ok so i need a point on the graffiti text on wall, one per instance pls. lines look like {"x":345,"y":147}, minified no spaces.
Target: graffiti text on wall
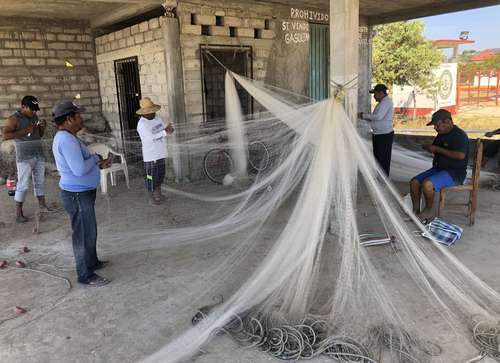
{"x":295,"y":31}
{"x":309,"y":15}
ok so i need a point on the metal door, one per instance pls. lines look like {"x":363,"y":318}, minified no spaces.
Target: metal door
{"x":319,"y":54}
{"x":237,"y":59}
{"x":128,"y":87}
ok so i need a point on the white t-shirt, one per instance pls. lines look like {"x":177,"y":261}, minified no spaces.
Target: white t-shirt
{"x":153,"y":138}
{"x":381,"y":118}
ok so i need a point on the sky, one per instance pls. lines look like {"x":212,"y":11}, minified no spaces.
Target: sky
{"x":483,"y":25}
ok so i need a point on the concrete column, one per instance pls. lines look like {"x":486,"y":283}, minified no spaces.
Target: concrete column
{"x":365,"y":74}
{"x":175,"y":90}
{"x":344,"y":58}
{"x":344,"y":51}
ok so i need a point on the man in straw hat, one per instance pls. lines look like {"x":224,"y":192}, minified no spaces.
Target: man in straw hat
{"x":153,"y":132}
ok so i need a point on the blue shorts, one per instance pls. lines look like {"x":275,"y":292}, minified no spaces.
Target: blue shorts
{"x":440,"y":178}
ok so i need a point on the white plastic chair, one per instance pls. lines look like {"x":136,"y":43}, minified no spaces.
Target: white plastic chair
{"x":104,"y":151}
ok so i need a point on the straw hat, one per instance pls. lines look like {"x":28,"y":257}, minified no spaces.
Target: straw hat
{"x":147,"y":106}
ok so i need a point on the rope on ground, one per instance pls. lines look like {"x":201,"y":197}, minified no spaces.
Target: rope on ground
{"x":486,"y":337}
{"x":54,"y":304}
{"x":310,"y":339}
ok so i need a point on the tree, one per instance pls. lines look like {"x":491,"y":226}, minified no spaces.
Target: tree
{"x":492,"y":62}
{"x":403,"y":56}
{"x":466,"y":66}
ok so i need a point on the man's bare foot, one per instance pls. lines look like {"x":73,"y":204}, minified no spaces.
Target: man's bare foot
{"x":426,"y":214}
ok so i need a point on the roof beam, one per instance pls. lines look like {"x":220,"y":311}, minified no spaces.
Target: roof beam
{"x":123,"y":12}
{"x":442,"y":7}
{"x":143,"y":2}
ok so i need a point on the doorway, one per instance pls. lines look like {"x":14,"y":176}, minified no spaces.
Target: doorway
{"x":128,"y":87}
{"x":239,"y":60}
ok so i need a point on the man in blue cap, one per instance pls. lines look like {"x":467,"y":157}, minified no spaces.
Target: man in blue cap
{"x":80,"y":175}
{"x":449,"y":166}
{"x":27,"y":131}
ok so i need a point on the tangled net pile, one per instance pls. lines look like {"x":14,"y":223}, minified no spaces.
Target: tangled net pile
{"x":304,"y":286}
{"x":305,"y":340}
{"x":310,"y":338}
{"x":316,"y":290}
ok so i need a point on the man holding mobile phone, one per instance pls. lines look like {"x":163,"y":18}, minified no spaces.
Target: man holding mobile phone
{"x":80,"y":175}
{"x":27,"y":130}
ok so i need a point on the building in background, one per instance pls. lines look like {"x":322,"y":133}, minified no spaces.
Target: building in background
{"x":106,"y":55}
{"x":414,"y":102}
{"x":480,"y":81}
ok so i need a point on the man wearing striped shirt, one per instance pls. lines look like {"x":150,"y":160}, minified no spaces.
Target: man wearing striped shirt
{"x":381,"y":125}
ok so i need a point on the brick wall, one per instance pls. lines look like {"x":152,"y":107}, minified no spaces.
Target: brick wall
{"x":225,"y":25}
{"x":33,"y":61}
{"x":144,"y":41}
{"x":33,"y":55}
{"x":238,"y":23}
{"x":276,"y":60}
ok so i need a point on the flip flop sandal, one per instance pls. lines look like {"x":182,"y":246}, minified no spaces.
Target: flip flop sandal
{"x":100,"y":264}
{"x":97,"y":281}
{"x":155,"y":202}
{"x":425,"y":221}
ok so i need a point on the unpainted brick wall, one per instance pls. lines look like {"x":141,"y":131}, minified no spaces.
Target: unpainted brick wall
{"x":144,"y":41}
{"x":33,"y":57}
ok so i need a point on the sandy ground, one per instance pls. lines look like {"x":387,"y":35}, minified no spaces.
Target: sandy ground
{"x":153,"y":293}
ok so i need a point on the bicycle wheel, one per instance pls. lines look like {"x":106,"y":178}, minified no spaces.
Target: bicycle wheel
{"x":217,"y":163}
{"x":258,"y":156}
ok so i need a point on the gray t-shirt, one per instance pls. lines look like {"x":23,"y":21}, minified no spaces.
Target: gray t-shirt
{"x":28,"y":147}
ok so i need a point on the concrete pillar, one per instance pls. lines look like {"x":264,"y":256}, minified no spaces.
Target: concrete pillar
{"x":364,"y":73}
{"x":344,"y":58}
{"x":175,"y":89}
{"x":344,"y":51}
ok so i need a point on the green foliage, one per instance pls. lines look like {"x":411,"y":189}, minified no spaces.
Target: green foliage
{"x":466,"y":55}
{"x":492,"y":63}
{"x":403,"y":56}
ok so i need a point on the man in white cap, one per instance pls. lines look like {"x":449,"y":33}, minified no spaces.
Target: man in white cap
{"x":153,"y":132}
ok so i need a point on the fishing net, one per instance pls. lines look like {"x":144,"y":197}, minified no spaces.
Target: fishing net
{"x":295,"y":277}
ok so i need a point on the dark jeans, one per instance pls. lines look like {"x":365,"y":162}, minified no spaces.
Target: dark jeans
{"x":81,"y":211}
{"x":491,"y":148}
{"x":382,"y":150}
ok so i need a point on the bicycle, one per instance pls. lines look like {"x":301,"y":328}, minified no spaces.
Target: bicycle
{"x":217,"y":162}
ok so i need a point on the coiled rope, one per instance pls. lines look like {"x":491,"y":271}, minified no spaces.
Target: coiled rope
{"x":310,"y":338}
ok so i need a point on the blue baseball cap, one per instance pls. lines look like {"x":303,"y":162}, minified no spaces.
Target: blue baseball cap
{"x":65,"y":107}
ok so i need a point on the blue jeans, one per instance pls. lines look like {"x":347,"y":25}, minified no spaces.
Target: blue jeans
{"x":34,"y":167}
{"x":81,"y":211}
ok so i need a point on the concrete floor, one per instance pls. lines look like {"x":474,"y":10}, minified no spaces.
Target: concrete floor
{"x":153,"y":294}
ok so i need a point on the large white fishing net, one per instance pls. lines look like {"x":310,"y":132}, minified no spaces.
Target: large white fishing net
{"x":305,"y":285}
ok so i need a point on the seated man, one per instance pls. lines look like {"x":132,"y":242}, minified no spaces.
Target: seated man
{"x":449,"y":167}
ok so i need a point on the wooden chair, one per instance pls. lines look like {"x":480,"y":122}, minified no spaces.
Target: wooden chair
{"x":472,"y":187}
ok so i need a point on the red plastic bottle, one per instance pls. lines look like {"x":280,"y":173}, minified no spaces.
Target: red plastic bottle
{"x":11,"y":186}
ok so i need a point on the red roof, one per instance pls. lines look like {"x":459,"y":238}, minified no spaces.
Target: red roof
{"x":453,"y":41}
{"x":485,"y":54}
